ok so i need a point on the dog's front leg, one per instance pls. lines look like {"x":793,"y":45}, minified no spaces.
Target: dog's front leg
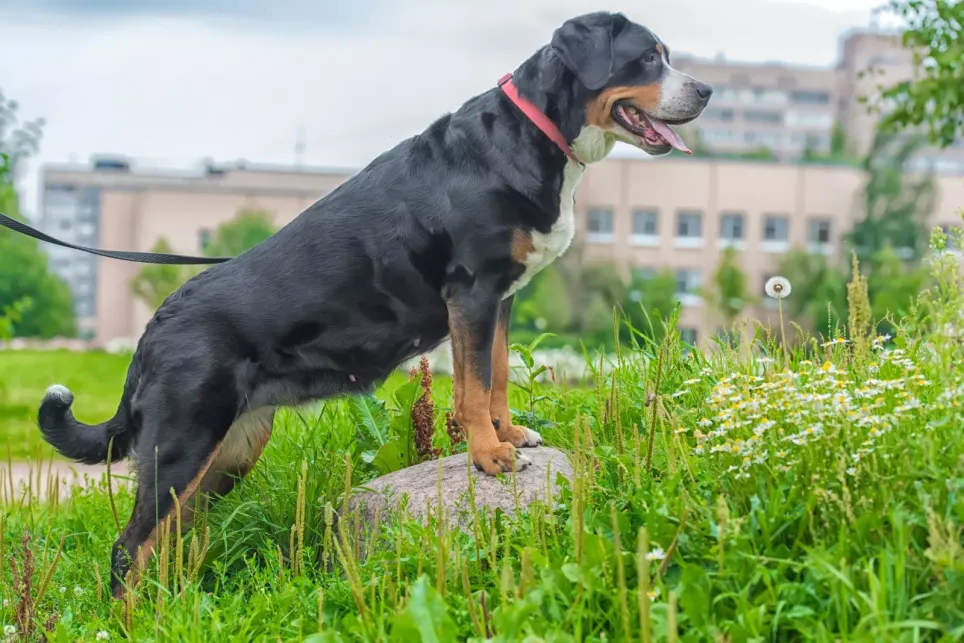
{"x":473,"y":307}
{"x":518,"y":436}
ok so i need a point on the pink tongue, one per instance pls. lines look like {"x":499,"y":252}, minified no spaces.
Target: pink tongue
{"x":671,"y":137}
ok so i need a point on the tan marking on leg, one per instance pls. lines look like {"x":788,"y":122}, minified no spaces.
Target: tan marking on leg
{"x":147,"y":547}
{"x":472,"y":401}
{"x":499,"y":411}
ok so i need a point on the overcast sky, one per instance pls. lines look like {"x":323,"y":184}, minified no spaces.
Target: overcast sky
{"x":171,"y":81}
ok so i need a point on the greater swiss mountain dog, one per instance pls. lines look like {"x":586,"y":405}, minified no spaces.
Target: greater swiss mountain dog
{"x":428,"y":241}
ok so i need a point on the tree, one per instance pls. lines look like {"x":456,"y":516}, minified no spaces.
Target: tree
{"x":18,"y":142}
{"x":245,"y":231}
{"x":43,"y":302}
{"x":895,"y":202}
{"x":728,"y":293}
{"x":819,"y":296}
{"x":551,"y":298}
{"x":892,"y":287}
{"x":650,"y":301}
{"x":934,"y":99}
{"x":155,"y":282}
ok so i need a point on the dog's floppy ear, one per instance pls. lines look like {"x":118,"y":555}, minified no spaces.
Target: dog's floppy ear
{"x":585,"y":45}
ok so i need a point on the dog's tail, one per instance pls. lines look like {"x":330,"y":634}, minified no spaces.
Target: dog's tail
{"x":86,"y":443}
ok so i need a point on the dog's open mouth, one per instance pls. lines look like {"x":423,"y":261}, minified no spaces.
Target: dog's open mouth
{"x":652,"y":130}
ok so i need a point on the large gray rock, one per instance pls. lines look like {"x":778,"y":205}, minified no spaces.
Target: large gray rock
{"x":420,"y":484}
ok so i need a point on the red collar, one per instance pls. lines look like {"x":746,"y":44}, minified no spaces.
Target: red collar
{"x":538,"y":119}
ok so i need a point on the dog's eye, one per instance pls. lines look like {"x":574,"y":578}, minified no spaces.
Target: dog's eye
{"x":650,"y":57}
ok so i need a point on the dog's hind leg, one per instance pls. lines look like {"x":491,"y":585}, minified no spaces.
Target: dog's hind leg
{"x":175,"y":451}
{"x":238,"y":452}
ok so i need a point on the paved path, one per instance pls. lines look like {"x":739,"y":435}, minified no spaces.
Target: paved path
{"x":25,"y":475}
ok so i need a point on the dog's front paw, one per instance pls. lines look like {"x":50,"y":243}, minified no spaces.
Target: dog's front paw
{"x":519,"y":436}
{"x":502,"y":458}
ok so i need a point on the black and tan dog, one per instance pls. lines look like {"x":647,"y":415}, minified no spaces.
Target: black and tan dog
{"x":429,"y":241}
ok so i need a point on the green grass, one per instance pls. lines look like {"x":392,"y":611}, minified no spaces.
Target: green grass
{"x":814,"y":494}
{"x":96,"y":379}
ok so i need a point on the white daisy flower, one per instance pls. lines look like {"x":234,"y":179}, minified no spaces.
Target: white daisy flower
{"x":656,"y":554}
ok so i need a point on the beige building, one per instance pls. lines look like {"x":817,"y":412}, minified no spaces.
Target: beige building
{"x":645,"y":214}
{"x":790,"y":108}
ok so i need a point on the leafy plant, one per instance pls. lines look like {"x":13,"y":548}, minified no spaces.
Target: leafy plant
{"x":932,"y":100}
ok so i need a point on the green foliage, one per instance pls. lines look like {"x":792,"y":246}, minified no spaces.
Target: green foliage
{"x":24,"y":272}
{"x":98,"y":377}
{"x":934,"y":99}
{"x":649,"y":304}
{"x":386,"y":433}
{"x":18,"y":141}
{"x":895,"y":203}
{"x":893,"y":287}
{"x":551,"y":298}
{"x":154,"y":283}
{"x":243,"y":232}
{"x":819,"y":296}
{"x":711,"y":499}
{"x":729,"y":293}
{"x":24,"y":275}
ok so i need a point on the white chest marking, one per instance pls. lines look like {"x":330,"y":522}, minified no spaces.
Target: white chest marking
{"x":591,"y":145}
{"x":548,"y":247}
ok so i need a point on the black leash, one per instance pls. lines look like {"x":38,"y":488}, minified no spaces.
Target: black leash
{"x":138,"y":257}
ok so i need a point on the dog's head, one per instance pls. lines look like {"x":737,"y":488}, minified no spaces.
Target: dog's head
{"x":633,"y":93}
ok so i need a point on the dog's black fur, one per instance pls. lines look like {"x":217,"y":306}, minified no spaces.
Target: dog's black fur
{"x":423,"y":243}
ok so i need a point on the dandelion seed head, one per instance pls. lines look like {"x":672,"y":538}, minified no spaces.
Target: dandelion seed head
{"x":777,"y":287}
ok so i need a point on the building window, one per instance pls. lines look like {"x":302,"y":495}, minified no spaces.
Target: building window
{"x":689,"y":224}
{"x":688,"y":335}
{"x":203,"y":238}
{"x":724,"y":95}
{"x":810,"y":120}
{"x":766,"y":138}
{"x":760,"y":116}
{"x":776,"y":227}
{"x":645,"y":273}
{"x":818,"y":141}
{"x":720,"y":136}
{"x":819,"y":231}
{"x":599,"y":225}
{"x":645,"y":222}
{"x":731,"y":226}
{"x":718,"y":114}
{"x":689,"y":229}
{"x":808,"y":97}
{"x":688,"y":286}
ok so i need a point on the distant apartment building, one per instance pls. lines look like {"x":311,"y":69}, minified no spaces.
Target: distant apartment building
{"x":645,"y":215}
{"x":790,"y":109}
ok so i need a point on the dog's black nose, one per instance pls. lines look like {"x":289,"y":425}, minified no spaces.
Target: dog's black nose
{"x":704,"y":90}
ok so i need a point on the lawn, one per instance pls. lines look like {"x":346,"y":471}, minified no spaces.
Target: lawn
{"x":815,"y":492}
{"x":96,"y":379}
